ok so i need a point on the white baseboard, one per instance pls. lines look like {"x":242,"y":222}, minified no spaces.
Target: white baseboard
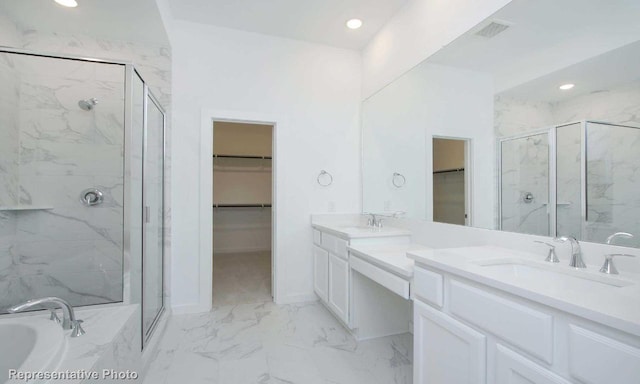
{"x":241,"y":250}
{"x":189,"y":309}
{"x":298,"y":298}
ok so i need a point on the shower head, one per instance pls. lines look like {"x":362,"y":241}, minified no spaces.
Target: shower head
{"x":88,"y":105}
{"x":536,"y":140}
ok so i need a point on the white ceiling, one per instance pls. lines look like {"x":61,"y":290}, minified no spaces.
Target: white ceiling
{"x":599,"y":74}
{"x":318,"y":21}
{"x":549,"y":40}
{"x":123,"y":20}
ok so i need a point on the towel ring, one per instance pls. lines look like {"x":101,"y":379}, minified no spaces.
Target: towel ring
{"x":323,"y":175}
{"x":398,"y":180}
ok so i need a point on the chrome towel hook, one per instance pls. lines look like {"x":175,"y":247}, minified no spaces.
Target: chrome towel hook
{"x":398,"y":180}
{"x":324,"y":178}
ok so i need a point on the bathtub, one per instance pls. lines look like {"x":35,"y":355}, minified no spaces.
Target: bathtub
{"x":30,"y":344}
{"x":33,"y":343}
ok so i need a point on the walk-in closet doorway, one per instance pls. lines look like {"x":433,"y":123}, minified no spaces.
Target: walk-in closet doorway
{"x":242,"y":213}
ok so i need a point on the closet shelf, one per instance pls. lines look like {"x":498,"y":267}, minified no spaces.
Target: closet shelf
{"x":241,"y":157}
{"x":241,"y":205}
{"x":449,"y":171}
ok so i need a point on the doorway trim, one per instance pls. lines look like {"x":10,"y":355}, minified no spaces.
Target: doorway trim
{"x":208,"y":117}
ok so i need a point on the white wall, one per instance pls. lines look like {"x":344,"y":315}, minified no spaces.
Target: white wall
{"x":315,"y":92}
{"x":417,"y":31}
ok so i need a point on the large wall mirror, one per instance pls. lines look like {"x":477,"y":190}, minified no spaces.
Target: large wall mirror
{"x":529,"y":122}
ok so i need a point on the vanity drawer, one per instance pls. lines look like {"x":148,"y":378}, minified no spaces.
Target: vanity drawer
{"x":317,"y":237}
{"x":427,"y":286}
{"x":395,"y":284}
{"x":595,"y":359}
{"x":526,"y":328}
{"x":335,"y":245}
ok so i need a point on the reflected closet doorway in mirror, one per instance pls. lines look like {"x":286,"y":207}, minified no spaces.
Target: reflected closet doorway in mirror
{"x":451,"y":175}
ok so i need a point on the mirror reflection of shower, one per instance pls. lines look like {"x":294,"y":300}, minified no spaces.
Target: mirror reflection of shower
{"x":577,"y":179}
{"x":89,"y":104}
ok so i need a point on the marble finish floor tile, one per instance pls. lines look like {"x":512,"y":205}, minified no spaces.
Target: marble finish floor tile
{"x":241,"y":278}
{"x":268,"y":343}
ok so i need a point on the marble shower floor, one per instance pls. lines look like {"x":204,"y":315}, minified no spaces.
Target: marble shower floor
{"x":266,"y":343}
{"x":241,"y":278}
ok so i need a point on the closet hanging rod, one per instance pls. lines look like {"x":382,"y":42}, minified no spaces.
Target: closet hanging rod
{"x":241,"y":205}
{"x":449,"y":171}
{"x":241,"y":157}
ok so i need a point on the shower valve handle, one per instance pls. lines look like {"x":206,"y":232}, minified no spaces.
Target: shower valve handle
{"x":91,"y":197}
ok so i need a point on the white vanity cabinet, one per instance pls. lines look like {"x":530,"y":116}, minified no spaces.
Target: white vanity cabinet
{"x":331,"y":273}
{"x":446,"y":350}
{"x":467,"y":332}
{"x":339,"y":287}
{"x":321,"y":272}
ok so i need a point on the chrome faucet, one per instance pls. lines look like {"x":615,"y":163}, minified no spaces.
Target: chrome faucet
{"x":374,"y":221}
{"x":576,"y":253}
{"x":551,"y":255}
{"x":618,"y":234}
{"x":69,"y":320}
{"x":608,"y":267}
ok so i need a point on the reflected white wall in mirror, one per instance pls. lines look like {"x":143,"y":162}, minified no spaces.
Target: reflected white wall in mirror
{"x":545,"y":161}
{"x":399,"y":123}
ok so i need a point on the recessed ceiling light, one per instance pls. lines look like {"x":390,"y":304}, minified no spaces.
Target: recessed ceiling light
{"x":67,"y":3}
{"x":566,"y":87}
{"x":354,"y":23}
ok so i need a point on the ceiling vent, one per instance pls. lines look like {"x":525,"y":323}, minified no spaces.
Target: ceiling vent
{"x":493,"y":29}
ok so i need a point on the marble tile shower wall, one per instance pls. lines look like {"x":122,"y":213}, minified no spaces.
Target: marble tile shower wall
{"x":153,"y":62}
{"x":525,"y":170}
{"x":69,"y":250}
{"x":609,"y":208}
{"x":9,"y":133}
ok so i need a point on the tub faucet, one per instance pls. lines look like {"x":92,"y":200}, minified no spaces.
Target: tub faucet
{"x":576,"y":253}
{"x":69,"y":320}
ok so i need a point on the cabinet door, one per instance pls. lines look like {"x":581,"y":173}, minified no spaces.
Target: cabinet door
{"x":321,"y":272}
{"x":511,"y":368}
{"x":445,"y":350}
{"x":596,"y":358}
{"x":339,"y":287}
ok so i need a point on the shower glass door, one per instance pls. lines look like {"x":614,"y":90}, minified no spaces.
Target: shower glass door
{"x":153,"y":179}
{"x":569,"y":181}
{"x":612,"y":182}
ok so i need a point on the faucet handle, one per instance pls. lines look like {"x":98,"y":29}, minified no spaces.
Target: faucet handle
{"x":608,"y":267}
{"x":76,"y":328}
{"x":54,"y":316}
{"x":551,"y":256}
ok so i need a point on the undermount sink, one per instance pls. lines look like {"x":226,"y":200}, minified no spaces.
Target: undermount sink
{"x":360,"y":228}
{"x":551,"y":273}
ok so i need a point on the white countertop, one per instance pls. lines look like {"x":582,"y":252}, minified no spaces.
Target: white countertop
{"x":351,"y":231}
{"x":390,"y":257}
{"x":617,"y":307}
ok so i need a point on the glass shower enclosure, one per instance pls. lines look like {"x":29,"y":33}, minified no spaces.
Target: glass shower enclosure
{"x":81,"y":183}
{"x":580,"y":179}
